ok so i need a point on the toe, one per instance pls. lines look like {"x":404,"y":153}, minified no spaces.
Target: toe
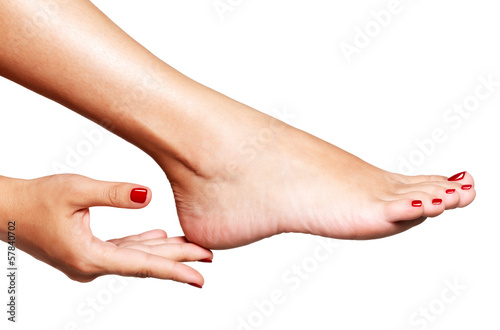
{"x":467,"y":194}
{"x":454,"y":194}
{"x":413,"y":205}
{"x":466,"y":189}
{"x":449,"y":192}
{"x":451,"y":198}
{"x":402,"y":226}
{"x":462,"y":177}
{"x":403,"y":210}
{"x":423,"y":179}
{"x":455,"y":191}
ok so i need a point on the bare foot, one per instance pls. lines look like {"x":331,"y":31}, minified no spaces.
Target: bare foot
{"x":238,"y":176}
{"x":254,"y":177}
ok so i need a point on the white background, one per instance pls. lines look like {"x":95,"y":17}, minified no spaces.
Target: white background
{"x":277,"y":54}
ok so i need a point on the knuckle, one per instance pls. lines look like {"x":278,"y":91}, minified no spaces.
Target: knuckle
{"x":69,"y":187}
{"x":145,"y":271}
{"x":171,"y":273}
{"x":114,"y":195}
{"x":71,"y":181}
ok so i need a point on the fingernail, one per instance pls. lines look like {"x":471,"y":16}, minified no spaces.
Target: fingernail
{"x":467,"y":187}
{"x":195,"y":285}
{"x":139,"y":195}
{"x":450,"y":191}
{"x":437,"y":201}
{"x":206,"y":260}
{"x":416,"y":203}
{"x":457,"y":177}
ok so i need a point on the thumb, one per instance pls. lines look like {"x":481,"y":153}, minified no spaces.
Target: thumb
{"x":115,"y":194}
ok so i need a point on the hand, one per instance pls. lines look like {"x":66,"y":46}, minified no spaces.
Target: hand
{"x":53,"y":224}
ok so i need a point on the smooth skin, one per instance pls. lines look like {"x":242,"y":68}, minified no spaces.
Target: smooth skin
{"x":52,"y":223}
{"x":228,"y":191}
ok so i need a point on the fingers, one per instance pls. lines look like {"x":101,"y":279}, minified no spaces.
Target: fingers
{"x":149,"y":235}
{"x":167,"y":240}
{"x":101,"y":193}
{"x":150,"y":254}
{"x":153,"y":254}
{"x":174,"y":248}
{"x":136,"y":263}
{"x":175,"y":251}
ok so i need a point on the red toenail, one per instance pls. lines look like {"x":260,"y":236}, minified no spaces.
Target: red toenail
{"x":416,"y":203}
{"x":450,"y":191}
{"x":467,"y":187}
{"x":206,"y":260}
{"x":457,"y":177}
{"x":437,"y":201}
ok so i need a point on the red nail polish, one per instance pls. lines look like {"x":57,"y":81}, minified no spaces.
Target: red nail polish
{"x":467,"y":187}
{"x":206,"y":260}
{"x":437,"y":201}
{"x":450,"y":191}
{"x":416,"y":203}
{"x":457,"y":177}
{"x":195,"y":285}
{"x":139,"y":195}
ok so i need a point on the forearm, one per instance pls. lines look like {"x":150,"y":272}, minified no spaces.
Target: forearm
{"x":72,"y":53}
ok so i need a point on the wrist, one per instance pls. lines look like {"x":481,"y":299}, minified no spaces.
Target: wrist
{"x":11,"y":200}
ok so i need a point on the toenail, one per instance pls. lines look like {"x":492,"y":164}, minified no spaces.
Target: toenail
{"x":450,"y":191}
{"x":437,"y":201}
{"x":467,"y":187}
{"x":457,"y":177}
{"x":416,"y":203}
{"x":206,"y":260}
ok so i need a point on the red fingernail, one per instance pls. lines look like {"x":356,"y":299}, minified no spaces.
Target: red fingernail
{"x":467,"y":187}
{"x":450,"y":191}
{"x":416,"y":203}
{"x":139,"y":195}
{"x":206,"y":260}
{"x":195,"y":285}
{"x":457,"y":177}
{"x":437,"y":201}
